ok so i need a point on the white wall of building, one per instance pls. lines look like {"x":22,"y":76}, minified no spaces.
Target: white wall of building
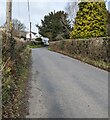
{"x":33,"y":37}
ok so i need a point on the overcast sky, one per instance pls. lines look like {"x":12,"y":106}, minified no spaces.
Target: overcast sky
{"x":38,"y":10}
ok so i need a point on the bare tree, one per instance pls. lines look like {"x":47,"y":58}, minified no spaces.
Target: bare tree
{"x":17,"y":25}
{"x":71,"y":9}
{"x":18,"y":28}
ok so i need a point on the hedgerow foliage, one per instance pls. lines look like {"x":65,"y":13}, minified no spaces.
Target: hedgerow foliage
{"x":91,"y":20}
{"x":94,"y":51}
{"x":108,"y":24}
{"x":14,"y":75}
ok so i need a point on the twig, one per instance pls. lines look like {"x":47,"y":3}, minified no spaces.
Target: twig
{"x":5,"y":64}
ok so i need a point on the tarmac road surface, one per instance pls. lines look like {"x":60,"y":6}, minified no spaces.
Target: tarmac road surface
{"x":63,"y":87}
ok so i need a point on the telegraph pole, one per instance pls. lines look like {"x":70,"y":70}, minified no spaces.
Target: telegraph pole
{"x":29,"y":18}
{"x":8,"y":15}
{"x":30,"y":31}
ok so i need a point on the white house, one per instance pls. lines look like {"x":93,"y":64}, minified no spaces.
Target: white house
{"x":33,"y":36}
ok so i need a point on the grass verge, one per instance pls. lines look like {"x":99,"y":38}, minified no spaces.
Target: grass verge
{"x":15,"y":76}
{"x":35,"y":46}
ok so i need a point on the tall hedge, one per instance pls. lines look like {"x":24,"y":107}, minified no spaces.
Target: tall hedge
{"x":108,"y":24}
{"x":91,"y":20}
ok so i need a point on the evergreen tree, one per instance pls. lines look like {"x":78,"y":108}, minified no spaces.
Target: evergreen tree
{"x":108,"y":24}
{"x":91,"y":20}
{"x":54,"y":24}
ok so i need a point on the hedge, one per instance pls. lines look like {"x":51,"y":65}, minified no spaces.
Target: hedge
{"x":94,"y":51}
{"x":15,"y":65}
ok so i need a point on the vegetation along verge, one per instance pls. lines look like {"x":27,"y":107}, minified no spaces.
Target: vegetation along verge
{"x":15,"y":71}
{"x":94,"y":51}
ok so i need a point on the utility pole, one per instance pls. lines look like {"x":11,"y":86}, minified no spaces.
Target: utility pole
{"x":8,"y":15}
{"x":30,"y":31}
{"x":29,"y":18}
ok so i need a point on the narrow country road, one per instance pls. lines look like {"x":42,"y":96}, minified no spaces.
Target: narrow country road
{"x":62,"y":87}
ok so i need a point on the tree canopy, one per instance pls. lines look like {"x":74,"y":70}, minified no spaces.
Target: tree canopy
{"x":55,"y":24}
{"x":91,"y":20}
{"x":108,"y":24}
